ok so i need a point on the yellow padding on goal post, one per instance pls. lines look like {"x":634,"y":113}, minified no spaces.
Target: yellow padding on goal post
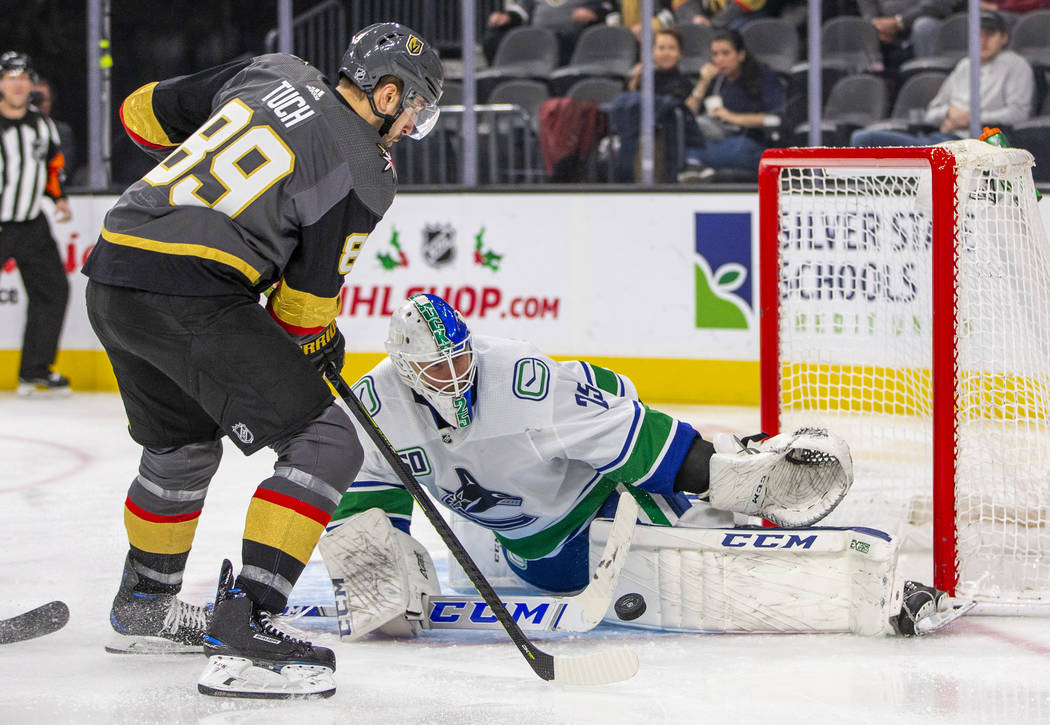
{"x":980,"y":395}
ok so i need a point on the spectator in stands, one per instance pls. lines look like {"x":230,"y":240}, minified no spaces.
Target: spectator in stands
{"x":671,"y":88}
{"x":1011,"y":10}
{"x":742,"y":99}
{"x":1007,"y":87}
{"x":567,"y":18}
{"x":43,"y":97}
{"x":905,"y":27}
{"x":630,"y":15}
{"x":720,"y":13}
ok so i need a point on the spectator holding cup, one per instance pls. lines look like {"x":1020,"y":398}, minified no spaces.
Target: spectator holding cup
{"x":736,"y":100}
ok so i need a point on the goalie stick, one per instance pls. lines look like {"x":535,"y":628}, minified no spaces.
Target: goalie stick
{"x":578,"y":613}
{"x":45,"y":619}
{"x":597,"y":668}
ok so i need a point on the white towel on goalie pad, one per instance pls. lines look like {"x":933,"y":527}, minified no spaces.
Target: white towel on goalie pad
{"x":760,"y":579}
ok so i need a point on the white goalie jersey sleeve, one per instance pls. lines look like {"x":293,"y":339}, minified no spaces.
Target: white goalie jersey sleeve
{"x":548,"y":444}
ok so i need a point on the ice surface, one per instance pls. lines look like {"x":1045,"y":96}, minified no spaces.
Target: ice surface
{"x":65,"y":466}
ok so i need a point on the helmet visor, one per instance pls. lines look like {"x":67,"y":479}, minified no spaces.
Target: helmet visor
{"x":421,"y":112}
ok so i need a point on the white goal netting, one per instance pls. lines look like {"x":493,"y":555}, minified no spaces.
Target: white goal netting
{"x":855,"y":345}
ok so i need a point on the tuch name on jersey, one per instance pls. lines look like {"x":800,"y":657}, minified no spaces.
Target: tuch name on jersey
{"x":288,"y":104}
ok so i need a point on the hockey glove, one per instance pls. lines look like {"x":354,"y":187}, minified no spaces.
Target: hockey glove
{"x":325,"y":348}
{"x":793,"y":479}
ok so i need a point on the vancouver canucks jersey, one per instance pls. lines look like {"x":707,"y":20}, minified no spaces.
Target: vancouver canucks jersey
{"x":267,"y":175}
{"x":548,"y":445}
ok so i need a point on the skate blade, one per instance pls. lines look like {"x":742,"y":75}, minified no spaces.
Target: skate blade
{"x":27,"y":391}
{"x":227,"y":676}
{"x":121,"y":644}
{"x":938,"y":620}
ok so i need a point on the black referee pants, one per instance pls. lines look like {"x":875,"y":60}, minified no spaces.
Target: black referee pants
{"x":35,"y":252}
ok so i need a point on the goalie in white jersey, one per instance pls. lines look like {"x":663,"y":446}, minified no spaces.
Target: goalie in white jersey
{"x":535,"y":450}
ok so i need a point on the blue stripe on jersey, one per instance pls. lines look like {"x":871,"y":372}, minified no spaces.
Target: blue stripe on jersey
{"x":587,"y":372}
{"x":375,"y":484}
{"x":628,"y":442}
{"x":679,"y":503}
{"x":662,"y":479}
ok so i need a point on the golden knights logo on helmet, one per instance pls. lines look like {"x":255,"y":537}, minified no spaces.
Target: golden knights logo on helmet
{"x":414,"y":45}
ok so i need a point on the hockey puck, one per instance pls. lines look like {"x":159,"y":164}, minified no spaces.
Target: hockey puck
{"x":629,"y":606}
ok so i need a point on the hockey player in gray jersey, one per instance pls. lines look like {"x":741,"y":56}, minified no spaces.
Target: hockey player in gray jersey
{"x":269,"y":180}
{"x":534,"y":451}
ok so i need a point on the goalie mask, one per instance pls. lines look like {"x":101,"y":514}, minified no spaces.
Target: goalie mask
{"x":430,"y":347}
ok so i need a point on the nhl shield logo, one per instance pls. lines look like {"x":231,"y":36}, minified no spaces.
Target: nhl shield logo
{"x":439,"y":244}
{"x":243,"y":433}
{"x":414,"y":45}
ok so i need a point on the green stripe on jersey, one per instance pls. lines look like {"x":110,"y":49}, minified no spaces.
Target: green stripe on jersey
{"x":649,"y":506}
{"x":542,"y":543}
{"x":605,"y":379}
{"x":650,"y":441}
{"x":391,"y":500}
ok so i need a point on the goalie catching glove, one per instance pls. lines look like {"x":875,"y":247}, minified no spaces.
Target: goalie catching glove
{"x":325,"y":347}
{"x":379,"y":575}
{"x":793,"y":479}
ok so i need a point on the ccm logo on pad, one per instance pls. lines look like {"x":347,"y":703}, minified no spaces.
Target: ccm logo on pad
{"x":769,"y":541}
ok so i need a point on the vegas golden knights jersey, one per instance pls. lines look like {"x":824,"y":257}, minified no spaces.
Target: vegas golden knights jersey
{"x":267,"y":176}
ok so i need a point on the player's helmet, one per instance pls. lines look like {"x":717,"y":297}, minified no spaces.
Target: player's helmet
{"x":430,"y":347}
{"x":14,"y":62}
{"x":394,"y":49}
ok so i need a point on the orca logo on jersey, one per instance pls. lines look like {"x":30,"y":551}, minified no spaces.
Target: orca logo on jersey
{"x":472,"y":499}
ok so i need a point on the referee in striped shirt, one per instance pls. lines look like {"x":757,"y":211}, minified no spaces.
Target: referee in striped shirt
{"x":31,"y":164}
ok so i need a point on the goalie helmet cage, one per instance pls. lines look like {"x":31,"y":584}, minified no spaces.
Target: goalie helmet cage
{"x":905,"y":305}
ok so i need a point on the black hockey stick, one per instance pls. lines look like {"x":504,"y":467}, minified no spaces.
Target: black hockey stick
{"x":45,"y":619}
{"x":593,"y":669}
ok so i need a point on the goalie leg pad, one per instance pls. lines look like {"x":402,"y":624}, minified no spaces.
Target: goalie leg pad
{"x":379,"y":575}
{"x":793,"y":479}
{"x":760,"y":579}
{"x":487,"y":552}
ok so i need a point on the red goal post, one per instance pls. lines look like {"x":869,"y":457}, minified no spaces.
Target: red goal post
{"x":905,"y":304}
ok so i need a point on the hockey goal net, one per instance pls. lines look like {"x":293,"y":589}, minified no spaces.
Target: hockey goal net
{"x":905,"y":298}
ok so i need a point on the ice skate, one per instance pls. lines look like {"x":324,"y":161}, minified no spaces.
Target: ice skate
{"x":51,"y":385}
{"x":252,"y":655}
{"x":926,"y":610}
{"x":148,"y":623}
